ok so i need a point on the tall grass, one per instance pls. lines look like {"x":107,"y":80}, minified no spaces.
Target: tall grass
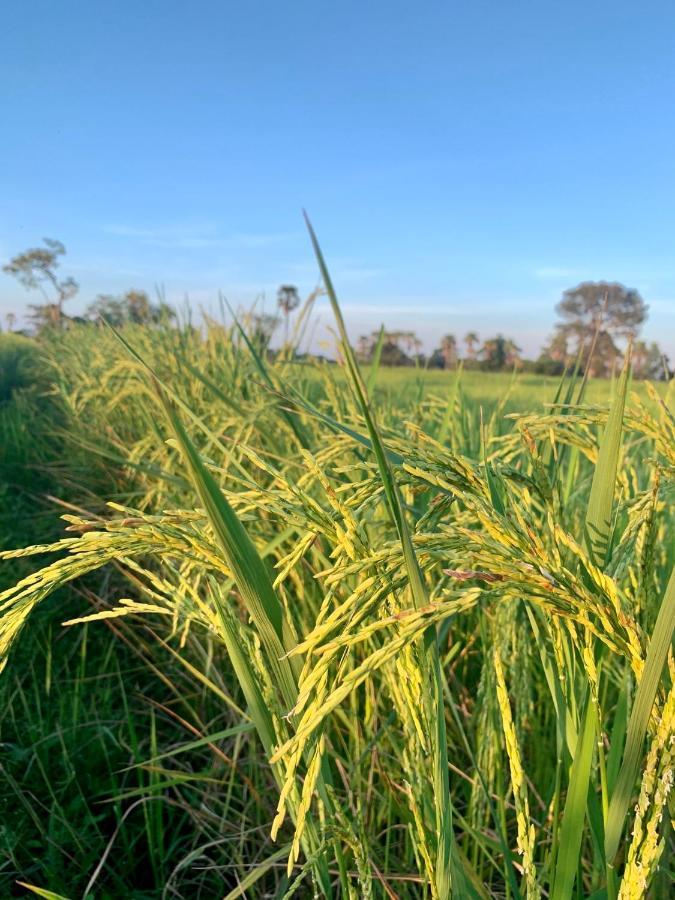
{"x":428,"y":657}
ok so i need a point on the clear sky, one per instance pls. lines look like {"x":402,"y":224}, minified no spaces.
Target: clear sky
{"x":463,"y":162}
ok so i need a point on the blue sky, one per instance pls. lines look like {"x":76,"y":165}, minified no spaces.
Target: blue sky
{"x":463,"y":163}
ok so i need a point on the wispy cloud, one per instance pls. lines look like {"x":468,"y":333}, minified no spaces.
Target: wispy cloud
{"x":195,"y":237}
{"x":343,"y":271}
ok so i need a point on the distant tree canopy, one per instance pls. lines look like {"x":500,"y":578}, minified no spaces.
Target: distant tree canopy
{"x":649,"y":362}
{"x":471,"y":340}
{"x":261,"y":328}
{"x":594,"y":315}
{"x":36,"y":269}
{"x":500,"y":353}
{"x":399,"y":348}
{"x":593,"y":319}
{"x":288,"y":300}
{"x":133,"y":307}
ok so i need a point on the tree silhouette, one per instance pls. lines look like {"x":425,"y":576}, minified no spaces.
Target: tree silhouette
{"x":364,"y":348}
{"x":288,"y":299}
{"x":648,"y":361}
{"x":513,"y":352}
{"x":606,"y":309}
{"x":471,"y":340}
{"x":499,"y":352}
{"x":449,"y":350}
{"x":262,"y":327}
{"x":133,"y":307}
{"x":36,"y":269}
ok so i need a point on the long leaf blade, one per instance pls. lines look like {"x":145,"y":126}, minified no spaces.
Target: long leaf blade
{"x":639,"y":719}
{"x":600,"y":502}
{"x":571,"y":830}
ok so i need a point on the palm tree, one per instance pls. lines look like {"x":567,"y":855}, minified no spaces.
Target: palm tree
{"x":513,"y":352}
{"x":364,"y":347}
{"x":288,"y":299}
{"x":449,"y":350}
{"x":471,"y":340}
{"x":493,"y":352}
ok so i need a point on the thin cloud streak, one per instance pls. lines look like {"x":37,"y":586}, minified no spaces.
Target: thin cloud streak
{"x":196,"y":237}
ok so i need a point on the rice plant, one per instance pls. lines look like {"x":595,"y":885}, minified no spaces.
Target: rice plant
{"x":416,"y":647}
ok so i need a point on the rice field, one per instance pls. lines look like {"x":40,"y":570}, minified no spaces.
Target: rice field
{"x":331,"y":632}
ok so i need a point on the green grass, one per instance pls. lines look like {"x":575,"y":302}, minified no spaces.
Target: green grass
{"x":383,"y":634}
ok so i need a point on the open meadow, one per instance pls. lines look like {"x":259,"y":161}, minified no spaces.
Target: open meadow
{"x":390,"y":634}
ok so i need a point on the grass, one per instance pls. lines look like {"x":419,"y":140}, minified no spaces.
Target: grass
{"x":382,"y":634}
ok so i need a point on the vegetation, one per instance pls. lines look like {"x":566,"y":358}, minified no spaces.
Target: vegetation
{"x":36,"y":269}
{"x":133,"y":307}
{"x":595,"y":317}
{"x":597,"y":313}
{"x":332,"y":631}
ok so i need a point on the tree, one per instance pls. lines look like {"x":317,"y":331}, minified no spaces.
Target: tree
{"x":608,"y":309}
{"x":553,"y":357}
{"x":556,"y":349}
{"x":513,"y":352}
{"x":36,"y":269}
{"x":133,"y":307}
{"x":262,"y":328}
{"x":649,"y":362}
{"x":495,"y":353}
{"x":288,"y":300}
{"x":110,"y":308}
{"x":393,"y":355}
{"x":449,"y":350}
{"x":604,"y":358}
{"x":364,"y":348}
{"x":471,"y":340}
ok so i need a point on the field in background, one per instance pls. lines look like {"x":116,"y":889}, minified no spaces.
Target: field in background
{"x":524,"y":392}
{"x":136,"y":749}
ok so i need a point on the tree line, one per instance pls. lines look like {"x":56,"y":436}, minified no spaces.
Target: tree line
{"x":36,"y":269}
{"x":595,"y":321}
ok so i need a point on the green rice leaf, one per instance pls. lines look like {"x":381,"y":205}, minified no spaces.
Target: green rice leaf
{"x":447,"y":870}
{"x":599,"y":512}
{"x":257,"y":873}
{"x":639,"y":719}
{"x":248,"y":569}
{"x":571,"y":830}
{"x":375,"y":364}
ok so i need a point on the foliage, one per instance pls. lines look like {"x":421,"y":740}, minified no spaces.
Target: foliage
{"x":36,"y":269}
{"x":499,"y":353}
{"x":594,"y":315}
{"x":285,"y":545}
{"x":471,"y":339}
{"x":134,"y":307}
{"x":649,"y":362}
{"x":17,"y":364}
